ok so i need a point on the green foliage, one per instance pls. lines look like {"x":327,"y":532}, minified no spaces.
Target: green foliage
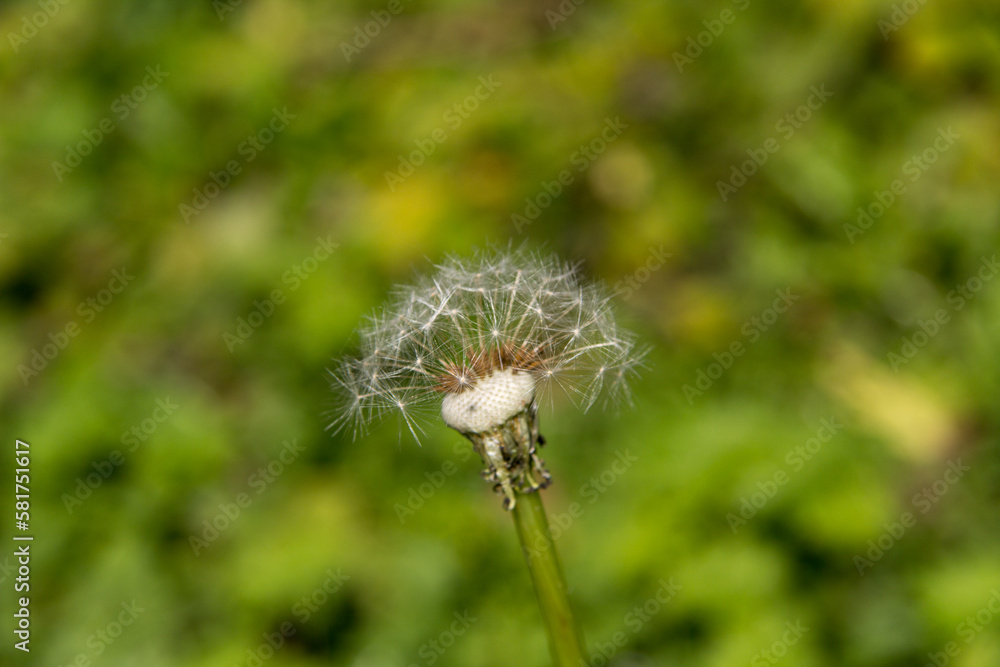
{"x":797,"y":205}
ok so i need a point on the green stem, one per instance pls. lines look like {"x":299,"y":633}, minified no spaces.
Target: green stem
{"x":565,"y":641}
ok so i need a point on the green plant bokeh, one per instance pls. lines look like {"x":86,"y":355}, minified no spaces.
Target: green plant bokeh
{"x":796,"y":204}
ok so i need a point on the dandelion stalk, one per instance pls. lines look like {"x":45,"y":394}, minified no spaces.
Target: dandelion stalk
{"x":481,"y":343}
{"x":565,"y":640}
{"x":511,"y":452}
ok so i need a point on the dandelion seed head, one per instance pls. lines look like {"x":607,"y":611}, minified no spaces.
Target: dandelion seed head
{"x":491,"y":401}
{"x":480,"y":339}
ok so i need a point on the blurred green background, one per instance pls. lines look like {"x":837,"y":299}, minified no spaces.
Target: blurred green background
{"x":260,"y":173}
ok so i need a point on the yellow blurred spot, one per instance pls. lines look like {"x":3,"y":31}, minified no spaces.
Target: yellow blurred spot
{"x":485,"y":180}
{"x":702,"y":316}
{"x":915,"y":422}
{"x":400,"y":222}
{"x":277,"y":28}
{"x":623,"y":177}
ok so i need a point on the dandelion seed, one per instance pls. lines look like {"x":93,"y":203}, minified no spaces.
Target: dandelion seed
{"x":481,"y":343}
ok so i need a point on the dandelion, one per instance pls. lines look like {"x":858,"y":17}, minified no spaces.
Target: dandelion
{"x":481,"y":343}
